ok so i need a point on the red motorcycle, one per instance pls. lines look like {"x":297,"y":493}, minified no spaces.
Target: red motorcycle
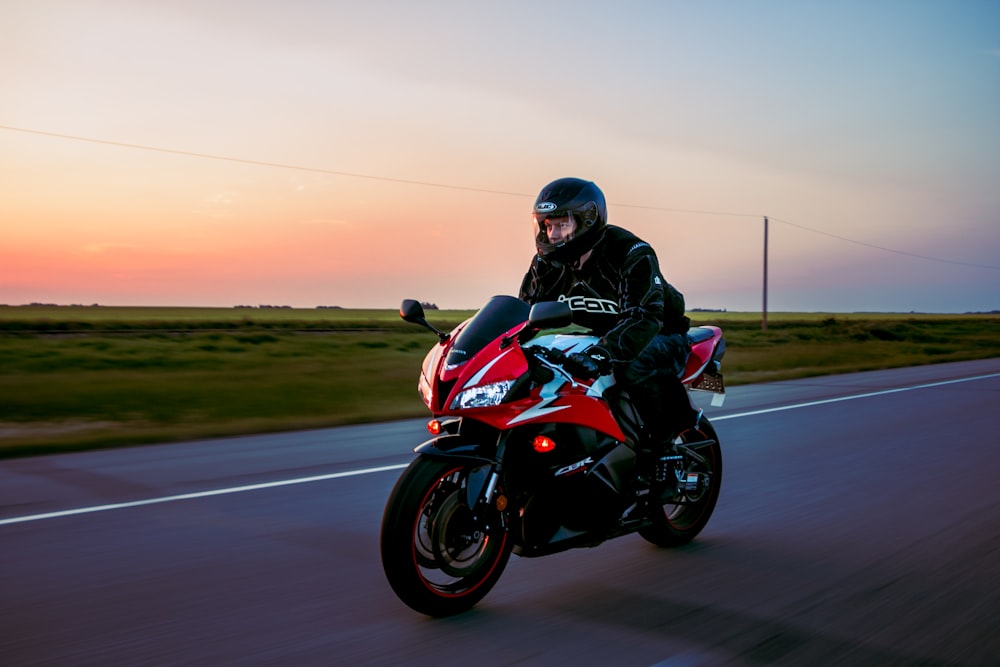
{"x":528,"y":459}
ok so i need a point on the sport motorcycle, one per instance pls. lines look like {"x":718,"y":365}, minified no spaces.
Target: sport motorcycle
{"x":527,"y":458}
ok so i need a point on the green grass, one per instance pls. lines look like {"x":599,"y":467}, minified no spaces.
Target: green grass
{"x":103,"y":318}
{"x":76,"y":378}
{"x":844,"y":344}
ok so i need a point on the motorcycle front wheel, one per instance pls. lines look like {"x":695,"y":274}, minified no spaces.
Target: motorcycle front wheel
{"x":684,"y":515}
{"x":439,"y":556}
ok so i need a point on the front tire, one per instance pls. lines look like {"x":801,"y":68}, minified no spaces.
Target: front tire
{"x":684,"y":516}
{"x":439,"y":556}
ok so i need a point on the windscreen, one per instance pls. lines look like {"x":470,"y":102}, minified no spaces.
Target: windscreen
{"x":500,"y":314}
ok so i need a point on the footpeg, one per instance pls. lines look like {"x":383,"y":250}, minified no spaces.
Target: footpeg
{"x":636,"y":513}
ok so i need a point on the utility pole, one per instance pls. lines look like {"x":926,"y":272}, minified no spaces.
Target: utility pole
{"x":763,"y":322}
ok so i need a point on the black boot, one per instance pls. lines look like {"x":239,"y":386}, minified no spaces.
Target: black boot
{"x":660,"y":464}
{"x":667,"y":412}
{"x":676,"y":411}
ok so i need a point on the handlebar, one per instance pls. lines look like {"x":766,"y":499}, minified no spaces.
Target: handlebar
{"x":558,"y":360}
{"x":550,"y":354}
{"x":565,"y":364}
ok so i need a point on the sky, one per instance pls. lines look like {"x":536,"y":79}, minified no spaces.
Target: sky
{"x":344,"y":153}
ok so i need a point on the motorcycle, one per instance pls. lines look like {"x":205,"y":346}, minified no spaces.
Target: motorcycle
{"x":527,"y":458}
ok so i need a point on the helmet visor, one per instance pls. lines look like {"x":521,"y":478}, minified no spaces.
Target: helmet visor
{"x":555,"y":229}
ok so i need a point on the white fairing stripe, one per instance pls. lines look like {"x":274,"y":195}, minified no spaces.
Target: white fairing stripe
{"x":475,"y":379}
{"x":536,"y":411}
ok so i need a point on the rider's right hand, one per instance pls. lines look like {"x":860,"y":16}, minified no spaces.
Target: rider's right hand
{"x":589,"y":365}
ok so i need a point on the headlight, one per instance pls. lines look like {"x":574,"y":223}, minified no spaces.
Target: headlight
{"x":482,"y":396}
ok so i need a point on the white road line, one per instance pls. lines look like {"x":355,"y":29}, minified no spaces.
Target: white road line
{"x":198,"y":494}
{"x":367,"y":471}
{"x":839,"y":399}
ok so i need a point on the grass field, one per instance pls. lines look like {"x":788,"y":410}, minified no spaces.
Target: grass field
{"x":83,"y":377}
{"x":89,"y":318}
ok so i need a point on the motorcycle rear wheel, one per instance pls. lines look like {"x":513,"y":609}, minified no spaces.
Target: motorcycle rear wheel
{"x":439,"y":558}
{"x":678,"y":523}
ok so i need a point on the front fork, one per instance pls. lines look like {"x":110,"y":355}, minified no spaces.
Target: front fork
{"x":481,"y":486}
{"x":483,"y":480}
{"x":482,"y":497}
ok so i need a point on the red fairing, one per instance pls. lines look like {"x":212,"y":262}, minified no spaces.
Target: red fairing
{"x":492,"y":364}
{"x":701,"y":354}
{"x":572,"y":406}
{"x":560,"y":401}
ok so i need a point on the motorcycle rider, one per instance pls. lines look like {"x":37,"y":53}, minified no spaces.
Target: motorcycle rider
{"x":612,"y":282}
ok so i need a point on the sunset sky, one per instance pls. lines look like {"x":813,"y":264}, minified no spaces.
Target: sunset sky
{"x":326,"y":152}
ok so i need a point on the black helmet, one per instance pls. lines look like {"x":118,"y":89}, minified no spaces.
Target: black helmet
{"x":578,"y":199}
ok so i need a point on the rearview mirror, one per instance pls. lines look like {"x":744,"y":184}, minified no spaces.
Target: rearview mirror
{"x":550,"y":315}
{"x":412,"y":311}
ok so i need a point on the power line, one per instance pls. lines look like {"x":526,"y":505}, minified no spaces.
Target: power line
{"x":688,"y":210}
{"x":259,"y":163}
{"x":281,"y":165}
{"x":878,"y":247}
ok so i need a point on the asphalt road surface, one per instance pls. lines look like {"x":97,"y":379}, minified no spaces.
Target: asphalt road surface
{"x":859,"y":524}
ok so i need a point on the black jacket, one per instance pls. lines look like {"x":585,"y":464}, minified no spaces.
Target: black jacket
{"x":619,"y":293}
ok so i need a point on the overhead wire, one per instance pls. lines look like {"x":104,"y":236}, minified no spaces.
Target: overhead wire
{"x":892,"y":250}
{"x":259,"y":163}
{"x":390,"y":179}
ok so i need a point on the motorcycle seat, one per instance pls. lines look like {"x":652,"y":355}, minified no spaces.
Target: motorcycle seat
{"x":700,"y":334}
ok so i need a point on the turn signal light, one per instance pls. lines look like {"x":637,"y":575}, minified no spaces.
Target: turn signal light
{"x":434,"y":427}
{"x":543,"y":444}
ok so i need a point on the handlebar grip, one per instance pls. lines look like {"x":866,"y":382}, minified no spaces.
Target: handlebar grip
{"x":556,"y":355}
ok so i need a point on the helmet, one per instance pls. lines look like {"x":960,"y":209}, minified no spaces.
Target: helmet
{"x":578,"y":199}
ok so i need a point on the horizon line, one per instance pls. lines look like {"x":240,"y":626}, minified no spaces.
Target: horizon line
{"x":698,"y":310}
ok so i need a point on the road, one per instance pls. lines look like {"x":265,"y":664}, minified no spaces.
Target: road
{"x":859,"y":524}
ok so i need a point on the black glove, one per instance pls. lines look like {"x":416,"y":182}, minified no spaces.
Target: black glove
{"x":590,"y":364}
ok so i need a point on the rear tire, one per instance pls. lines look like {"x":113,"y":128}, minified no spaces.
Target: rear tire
{"x":438,"y":557}
{"x":678,"y":523}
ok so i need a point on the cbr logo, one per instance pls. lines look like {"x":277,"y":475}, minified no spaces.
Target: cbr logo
{"x":546,"y":207}
{"x":575,"y":467}
{"x":590,"y":304}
